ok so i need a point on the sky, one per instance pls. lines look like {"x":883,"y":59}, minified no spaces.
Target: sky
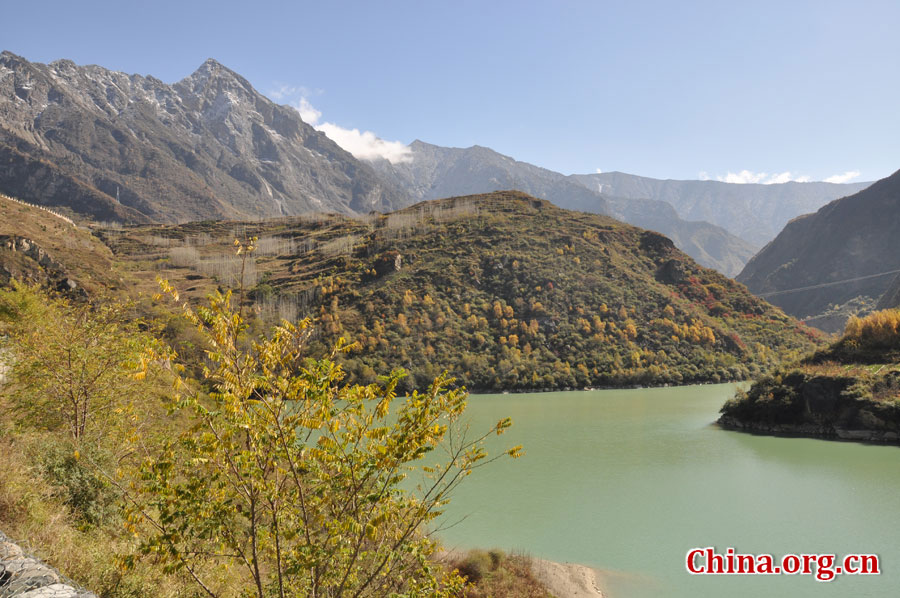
{"x":739,"y":91}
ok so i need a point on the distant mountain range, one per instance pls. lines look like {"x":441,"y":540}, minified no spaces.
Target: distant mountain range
{"x":112,"y":146}
{"x":134,"y":148}
{"x":847,"y":251}
{"x":435,"y":172}
{"x":753,"y":212}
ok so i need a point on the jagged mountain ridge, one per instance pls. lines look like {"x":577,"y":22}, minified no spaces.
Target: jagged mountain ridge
{"x":208,"y":146}
{"x":753,"y":212}
{"x":435,"y":172}
{"x":850,"y":238}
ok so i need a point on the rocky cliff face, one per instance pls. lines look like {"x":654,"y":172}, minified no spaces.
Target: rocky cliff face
{"x":129,"y":147}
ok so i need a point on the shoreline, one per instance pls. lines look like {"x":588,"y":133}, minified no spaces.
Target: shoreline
{"x":480,"y":391}
{"x":809,"y":430}
{"x":569,"y":580}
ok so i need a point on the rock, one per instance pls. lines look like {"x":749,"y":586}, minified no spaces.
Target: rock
{"x":56,"y":590}
{"x":672,"y":272}
{"x":389,"y":261}
{"x":8,"y":550}
{"x":24,"y":574}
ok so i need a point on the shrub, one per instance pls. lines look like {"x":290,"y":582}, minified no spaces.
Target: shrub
{"x":877,"y":330}
{"x":293,"y":481}
{"x":476,"y":565}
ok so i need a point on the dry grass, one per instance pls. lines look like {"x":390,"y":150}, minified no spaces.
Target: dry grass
{"x":33,"y":516}
{"x":496,"y":574}
{"x":83,"y":256}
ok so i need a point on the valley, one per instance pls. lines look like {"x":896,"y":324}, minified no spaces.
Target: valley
{"x":251,"y":348}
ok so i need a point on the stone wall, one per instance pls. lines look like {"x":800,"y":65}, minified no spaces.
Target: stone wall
{"x":24,"y":576}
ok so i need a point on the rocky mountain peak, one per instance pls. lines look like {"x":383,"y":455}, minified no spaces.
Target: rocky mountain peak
{"x":209,"y":146}
{"x":213,"y":78}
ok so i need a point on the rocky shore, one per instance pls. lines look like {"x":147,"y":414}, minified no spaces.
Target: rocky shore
{"x":822,"y":406}
{"x":813,"y":430}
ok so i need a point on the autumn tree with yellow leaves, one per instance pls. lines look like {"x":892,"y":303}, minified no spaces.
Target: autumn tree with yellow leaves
{"x":295,"y":483}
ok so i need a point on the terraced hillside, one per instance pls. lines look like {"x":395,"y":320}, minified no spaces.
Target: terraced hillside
{"x":504,"y":290}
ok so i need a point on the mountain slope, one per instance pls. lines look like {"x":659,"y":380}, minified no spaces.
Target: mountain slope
{"x":435,"y":172}
{"x":39,"y":247}
{"x":209,"y":146}
{"x":855,"y":239}
{"x":753,"y":212}
{"x":504,"y":290}
{"x":708,"y":244}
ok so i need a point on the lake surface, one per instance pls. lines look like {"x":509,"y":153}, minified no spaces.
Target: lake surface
{"x":629,"y":480}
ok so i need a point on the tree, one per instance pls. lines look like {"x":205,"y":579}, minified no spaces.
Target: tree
{"x":299,"y":485}
{"x":71,"y":361}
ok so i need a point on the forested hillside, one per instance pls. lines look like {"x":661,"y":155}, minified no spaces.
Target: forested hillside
{"x":503,"y":290}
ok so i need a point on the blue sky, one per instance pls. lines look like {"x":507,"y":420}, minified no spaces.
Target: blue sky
{"x":662,"y":89}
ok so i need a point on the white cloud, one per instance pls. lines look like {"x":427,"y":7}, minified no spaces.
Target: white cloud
{"x":364,"y":145}
{"x":747,"y":177}
{"x":764,"y":178}
{"x":599,"y":171}
{"x":307,"y":112}
{"x":843,"y":178}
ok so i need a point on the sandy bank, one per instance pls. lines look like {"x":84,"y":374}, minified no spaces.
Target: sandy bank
{"x":567,"y":580}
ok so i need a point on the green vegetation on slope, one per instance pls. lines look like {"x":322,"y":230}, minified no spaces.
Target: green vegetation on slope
{"x":849,"y":390}
{"x":268,"y":478}
{"x":503,"y":290}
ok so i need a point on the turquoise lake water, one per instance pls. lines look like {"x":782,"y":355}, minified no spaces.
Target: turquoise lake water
{"x":629,"y":480}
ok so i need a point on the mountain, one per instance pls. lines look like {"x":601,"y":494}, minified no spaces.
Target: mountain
{"x":753,"y":212}
{"x":891,"y":297}
{"x":847,"y":250}
{"x":435,"y":172}
{"x":504,"y":290}
{"x":132,"y":148}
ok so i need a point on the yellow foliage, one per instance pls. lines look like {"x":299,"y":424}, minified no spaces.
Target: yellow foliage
{"x":498,"y":310}
{"x":879,"y":328}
